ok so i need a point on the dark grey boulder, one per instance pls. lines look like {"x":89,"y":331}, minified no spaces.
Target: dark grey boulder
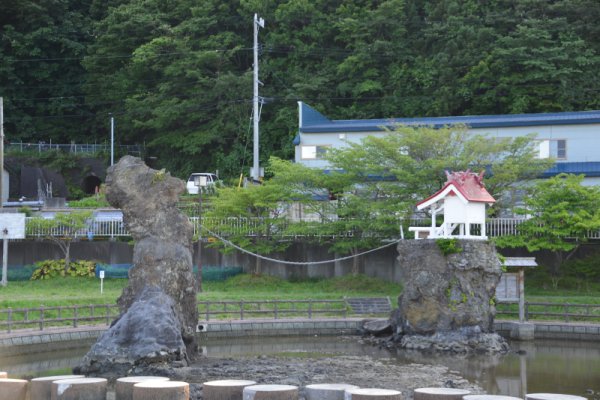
{"x":158,"y":307}
{"x":377,"y":327}
{"x":149,"y":333}
{"x":448,"y":299}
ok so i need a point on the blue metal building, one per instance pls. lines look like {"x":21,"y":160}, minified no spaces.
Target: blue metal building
{"x":572,"y":138}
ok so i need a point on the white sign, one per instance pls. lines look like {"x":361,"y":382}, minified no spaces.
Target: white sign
{"x":101,"y":275}
{"x":12,"y":226}
{"x":508,"y":287}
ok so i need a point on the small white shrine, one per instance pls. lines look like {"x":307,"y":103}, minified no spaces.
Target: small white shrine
{"x":462,"y":199}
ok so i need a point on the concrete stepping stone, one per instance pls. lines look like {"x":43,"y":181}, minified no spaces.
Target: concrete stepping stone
{"x":271,"y":392}
{"x":124,"y":386}
{"x":3,"y":375}
{"x":552,"y":396}
{"x":161,"y":390}
{"x":13,"y":389}
{"x":41,"y":388}
{"x":489,"y":397}
{"x":228,"y":389}
{"x":440,"y":394}
{"x":79,"y":389}
{"x":327,"y":391}
{"x":372,"y":394}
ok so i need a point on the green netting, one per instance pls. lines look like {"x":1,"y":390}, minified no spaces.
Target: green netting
{"x":209,"y":273}
{"x":113,"y":270}
{"x":20,"y":273}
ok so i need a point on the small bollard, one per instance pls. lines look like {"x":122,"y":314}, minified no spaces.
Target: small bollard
{"x":13,"y":389}
{"x":440,"y":394}
{"x":372,"y":394}
{"x":327,"y":391}
{"x":228,"y":389}
{"x":41,"y":388}
{"x":552,"y":396}
{"x":124,"y":386}
{"x":79,"y":388}
{"x":489,"y":397}
{"x":271,"y":392}
{"x":161,"y":390}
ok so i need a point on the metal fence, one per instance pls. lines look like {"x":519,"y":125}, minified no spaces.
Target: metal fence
{"x":42,"y":318}
{"x":253,"y":226}
{"x":75,"y":148}
{"x":567,"y":312}
{"x":60,"y":316}
{"x":272,"y":309}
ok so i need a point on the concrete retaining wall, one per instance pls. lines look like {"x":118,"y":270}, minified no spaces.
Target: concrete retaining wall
{"x":381,"y":264}
{"x":555,"y":330}
{"x":23,"y":342}
{"x":291,"y":327}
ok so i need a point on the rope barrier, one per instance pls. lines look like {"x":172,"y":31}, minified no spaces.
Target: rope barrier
{"x":231,"y":244}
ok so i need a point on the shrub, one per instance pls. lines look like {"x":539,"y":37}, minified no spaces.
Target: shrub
{"x":53,"y":268}
{"x":448,"y":246}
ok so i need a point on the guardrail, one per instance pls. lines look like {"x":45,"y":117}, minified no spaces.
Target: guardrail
{"x":567,"y":312}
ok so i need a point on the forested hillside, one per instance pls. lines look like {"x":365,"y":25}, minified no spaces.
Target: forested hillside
{"x":177,"y":74}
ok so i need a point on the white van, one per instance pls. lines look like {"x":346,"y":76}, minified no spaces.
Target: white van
{"x":211,"y":181}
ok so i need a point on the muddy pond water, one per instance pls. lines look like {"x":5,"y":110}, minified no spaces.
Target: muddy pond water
{"x":540,"y":366}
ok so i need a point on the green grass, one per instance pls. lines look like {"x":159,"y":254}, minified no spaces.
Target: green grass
{"x":252,"y":287}
{"x":81,"y":291}
{"x":60,"y":292}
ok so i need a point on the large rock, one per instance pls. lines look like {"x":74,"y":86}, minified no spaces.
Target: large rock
{"x":158,"y":307}
{"x":447,"y":299}
{"x":148,"y":333}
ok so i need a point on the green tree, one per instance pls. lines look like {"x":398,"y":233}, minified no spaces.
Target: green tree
{"x":561,"y":212}
{"x":62,"y":230}
{"x":408,"y":163}
{"x":41,"y":44}
{"x":262,"y":217}
{"x":373,"y":185}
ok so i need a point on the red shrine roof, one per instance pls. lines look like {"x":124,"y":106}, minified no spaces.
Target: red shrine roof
{"x":469,"y":185}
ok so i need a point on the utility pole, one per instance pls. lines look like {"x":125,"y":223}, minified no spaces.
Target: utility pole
{"x":1,"y":152}
{"x":112,"y":140}
{"x":255,"y":165}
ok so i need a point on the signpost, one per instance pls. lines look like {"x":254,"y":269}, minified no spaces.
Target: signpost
{"x":101,"y":275}
{"x":511,"y":288}
{"x":12,"y":226}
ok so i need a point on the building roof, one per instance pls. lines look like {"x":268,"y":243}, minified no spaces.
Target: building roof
{"x":311,"y":121}
{"x":465,"y":184}
{"x":588,"y":168}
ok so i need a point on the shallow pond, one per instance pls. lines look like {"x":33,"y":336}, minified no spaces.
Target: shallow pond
{"x":540,"y":366}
